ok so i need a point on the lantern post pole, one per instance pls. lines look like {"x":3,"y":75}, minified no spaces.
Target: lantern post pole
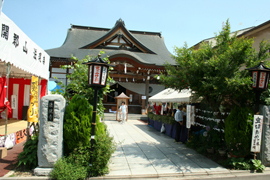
{"x":97,"y":77}
{"x":93,"y":125}
{"x":257,"y":104}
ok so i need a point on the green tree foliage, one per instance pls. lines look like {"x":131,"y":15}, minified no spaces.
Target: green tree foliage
{"x":238,"y":131}
{"x":77,"y":123}
{"x":216,"y":71}
{"x":78,"y":83}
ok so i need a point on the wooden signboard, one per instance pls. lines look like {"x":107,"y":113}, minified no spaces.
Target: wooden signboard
{"x":257,"y":133}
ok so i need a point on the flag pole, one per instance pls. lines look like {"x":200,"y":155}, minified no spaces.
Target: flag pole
{"x":6,"y":122}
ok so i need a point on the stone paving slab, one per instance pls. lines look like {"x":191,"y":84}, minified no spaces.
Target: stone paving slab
{"x":143,"y":151}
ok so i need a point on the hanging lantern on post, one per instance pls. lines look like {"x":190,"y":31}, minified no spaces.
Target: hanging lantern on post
{"x":97,"y":72}
{"x":260,"y":79}
{"x":97,"y":78}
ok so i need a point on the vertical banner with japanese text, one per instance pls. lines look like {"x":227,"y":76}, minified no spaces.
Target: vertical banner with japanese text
{"x":32,"y":113}
{"x":188,"y":116}
{"x":256,"y":133}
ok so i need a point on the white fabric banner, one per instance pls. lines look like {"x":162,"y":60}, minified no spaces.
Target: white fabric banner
{"x":26,"y":98}
{"x":188,"y":116}
{"x":19,"y":50}
{"x":15,"y":93}
{"x":13,"y":101}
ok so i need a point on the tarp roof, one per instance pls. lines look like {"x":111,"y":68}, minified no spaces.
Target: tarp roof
{"x":171,"y":95}
{"x":26,"y":58}
{"x":140,"y":87}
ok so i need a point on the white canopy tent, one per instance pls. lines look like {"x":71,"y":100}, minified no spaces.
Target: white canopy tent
{"x":24,"y":56}
{"x":171,"y":95}
{"x":20,"y":57}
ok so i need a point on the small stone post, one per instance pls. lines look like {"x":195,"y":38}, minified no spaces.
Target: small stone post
{"x":50,"y":145}
{"x":264,"y":155}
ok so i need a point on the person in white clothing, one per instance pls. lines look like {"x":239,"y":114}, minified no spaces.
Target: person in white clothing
{"x":124,"y":112}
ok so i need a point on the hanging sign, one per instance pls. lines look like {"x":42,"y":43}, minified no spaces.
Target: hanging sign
{"x":254,"y":78}
{"x":192,"y":116}
{"x":32,"y":113}
{"x":104,"y":75}
{"x":256,"y":133}
{"x":262,"y":79}
{"x":97,"y":74}
{"x":14,"y":102}
{"x":188,"y":116}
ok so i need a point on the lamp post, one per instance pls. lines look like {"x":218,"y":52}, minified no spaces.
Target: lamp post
{"x":97,"y":78}
{"x":260,"y":78}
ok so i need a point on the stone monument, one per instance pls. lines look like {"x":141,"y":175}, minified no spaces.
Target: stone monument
{"x":264,"y":155}
{"x":50,"y":145}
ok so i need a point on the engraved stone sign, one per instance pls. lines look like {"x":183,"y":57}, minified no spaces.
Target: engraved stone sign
{"x":264,"y":155}
{"x":50,"y":110}
{"x":50,"y":146}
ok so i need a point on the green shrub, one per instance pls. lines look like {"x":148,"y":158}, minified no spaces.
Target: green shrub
{"x":80,"y":157}
{"x":77,"y":134}
{"x":197,"y":142}
{"x":240,"y":164}
{"x":164,"y":119}
{"x":77,"y":124}
{"x":150,"y":115}
{"x":104,"y":148}
{"x":238,"y":131}
{"x":257,"y":165}
{"x":64,"y":170}
{"x":28,"y":157}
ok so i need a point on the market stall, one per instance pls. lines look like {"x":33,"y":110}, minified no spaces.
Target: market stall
{"x":168,"y":96}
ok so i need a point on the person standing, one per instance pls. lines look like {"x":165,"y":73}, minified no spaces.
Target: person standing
{"x":179,"y":122}
{"x":124,"y":112}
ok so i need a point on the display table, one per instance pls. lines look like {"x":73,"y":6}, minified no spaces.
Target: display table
{"x":170,"y":129}
{"x":157,"y":125}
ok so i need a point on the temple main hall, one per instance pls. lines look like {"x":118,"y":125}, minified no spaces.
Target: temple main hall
{"x":138,"y":56}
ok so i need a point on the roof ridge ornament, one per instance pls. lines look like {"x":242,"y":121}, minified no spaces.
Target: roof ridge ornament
{"x":120,"y":21}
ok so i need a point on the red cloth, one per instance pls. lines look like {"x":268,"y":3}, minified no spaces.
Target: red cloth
{"x":3,"y":95}
{"x":22,"y":82}
{"x":158,"y":110}
{"x":155,"y":107}
{"x":3,"y":91}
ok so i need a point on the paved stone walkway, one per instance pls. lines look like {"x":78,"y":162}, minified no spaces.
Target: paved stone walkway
{"x":143,"y":151}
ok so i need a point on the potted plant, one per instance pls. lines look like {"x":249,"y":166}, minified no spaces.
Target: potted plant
{"x":208,"y":141}
{"x":222,"y":151}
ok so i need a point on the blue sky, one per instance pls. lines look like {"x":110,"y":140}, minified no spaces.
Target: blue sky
{"x":46,"y":21}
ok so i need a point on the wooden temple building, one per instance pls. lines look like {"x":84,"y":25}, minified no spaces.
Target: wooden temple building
{"x":137,"y":56}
